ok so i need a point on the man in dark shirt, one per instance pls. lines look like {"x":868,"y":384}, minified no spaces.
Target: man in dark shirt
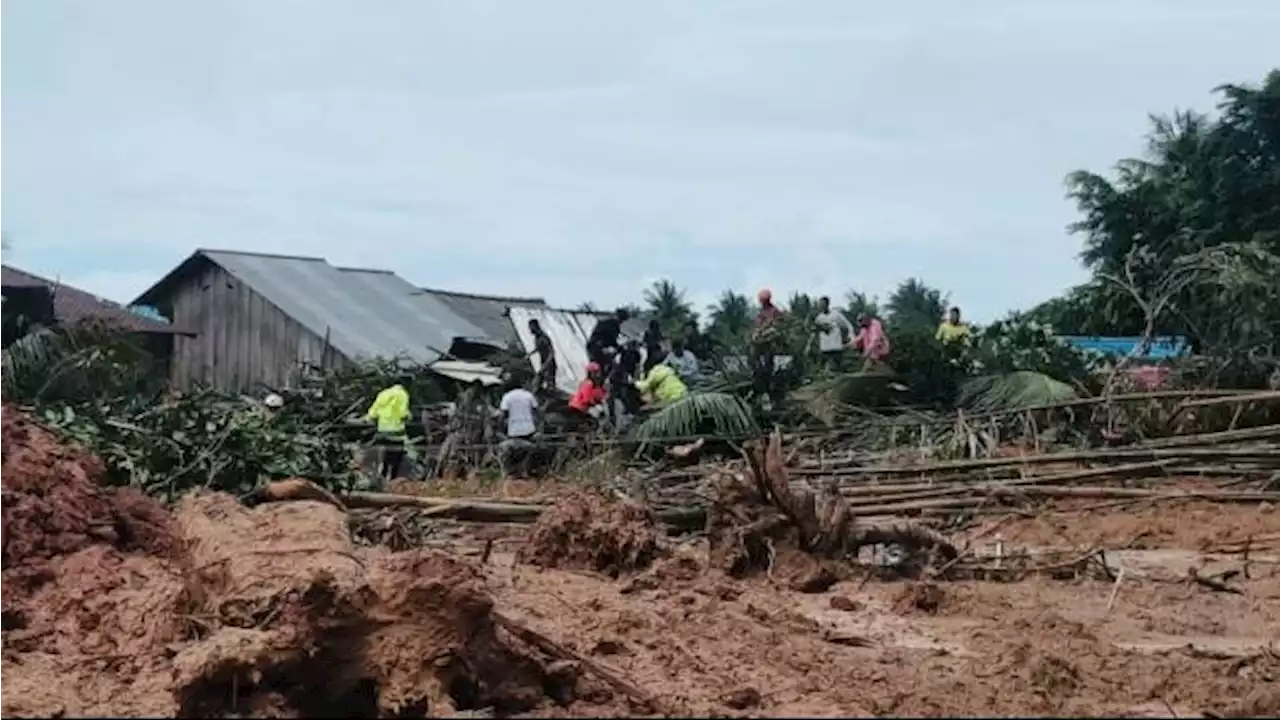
{"x":622,"y":379}
{"x":546,"y":380}
{"x":653,"y":353}
{"x":604,"y":337}
{"x":696,"y":342}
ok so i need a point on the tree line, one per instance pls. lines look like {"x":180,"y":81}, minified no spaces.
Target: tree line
{"x":1183,"y":239}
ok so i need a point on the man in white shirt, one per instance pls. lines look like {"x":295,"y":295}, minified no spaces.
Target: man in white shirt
{"x":832,"y":329}
{"x":682,"y":361}
{"x":520,"y":408}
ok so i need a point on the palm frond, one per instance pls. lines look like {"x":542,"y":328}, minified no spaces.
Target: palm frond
{"x":697,"y":413}
{"x":27,"y":356}
{"x":833,"y":398}
{"x":1013,"y":390}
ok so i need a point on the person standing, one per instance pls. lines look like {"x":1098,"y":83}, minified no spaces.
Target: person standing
{"x":390,"y":410}
{"x":953,"y":332}
{"x":653,"y":340}
{"x":603,"y":343}
{"x":695,"y":341}
{"x":873,"y":342}
{"x":519,"y":408}
{"x":545,"y":383}
{"x":833,"y":328}
{"x":622,"y":381}
{"x":764,"y":342}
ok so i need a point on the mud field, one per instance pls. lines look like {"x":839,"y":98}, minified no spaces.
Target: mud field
{"x":113,"y":605}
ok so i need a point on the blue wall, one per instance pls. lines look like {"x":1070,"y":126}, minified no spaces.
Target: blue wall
{"x":1161,"y":347}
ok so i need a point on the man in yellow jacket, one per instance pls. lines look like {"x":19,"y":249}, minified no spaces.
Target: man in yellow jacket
{"x":391,"y":411}
{"x":661,"y":386}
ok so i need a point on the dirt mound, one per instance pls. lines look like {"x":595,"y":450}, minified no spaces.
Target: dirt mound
{"x":587,"y":531}
{"x":230,"y":611}
{"x":53,"y":506}
{"x":303,"y":617}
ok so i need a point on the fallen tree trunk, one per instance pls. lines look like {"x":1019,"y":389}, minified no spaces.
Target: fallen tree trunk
{"x":447,"y":507}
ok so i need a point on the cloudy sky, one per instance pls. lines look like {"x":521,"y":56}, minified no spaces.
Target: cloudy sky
{"x":579,"y":149}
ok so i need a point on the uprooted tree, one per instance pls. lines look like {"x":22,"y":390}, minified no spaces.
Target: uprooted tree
{"x":760,"y":520}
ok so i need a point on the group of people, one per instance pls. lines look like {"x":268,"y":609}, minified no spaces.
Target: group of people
{"x":619,"y":377}
{"x":620,"y":380}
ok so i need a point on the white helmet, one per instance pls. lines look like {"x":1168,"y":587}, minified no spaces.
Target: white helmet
{"x":273,"y":401}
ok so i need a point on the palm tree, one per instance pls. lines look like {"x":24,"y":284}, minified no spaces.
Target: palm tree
{"x":730,"y":318}
{"x":915,"y":303}
{"x":801,"y":306}
{"x":666,"y":304}
{"x":858,"y":303}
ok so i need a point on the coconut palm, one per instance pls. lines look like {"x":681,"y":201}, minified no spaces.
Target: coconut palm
{"x":730,"y":319}
{"x":666,"y":303}
{"x":914,"y":303}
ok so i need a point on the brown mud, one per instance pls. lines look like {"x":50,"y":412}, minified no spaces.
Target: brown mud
{"x":231,"y":611}
{"x":587,"y":531}
{"x":274,"y":612}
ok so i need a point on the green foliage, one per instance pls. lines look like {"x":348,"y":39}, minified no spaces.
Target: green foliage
{"x":201,"y":439}
{"x":922,"y":363}
{"x":80,"y":363}
{"x":700,"y":412}
{"x":915,"y":303}
{"x":1011,"y":391}
{"x":731,"y":318}
{"x":1016,"y":344}
{"x":1203,"y":183}
{"x":857,"y":304}
{"x":666,"y":303}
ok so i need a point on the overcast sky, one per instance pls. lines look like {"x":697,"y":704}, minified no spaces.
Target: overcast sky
{"x":579,"y":150}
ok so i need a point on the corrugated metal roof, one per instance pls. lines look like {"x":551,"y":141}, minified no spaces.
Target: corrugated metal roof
{"x":487,"y":312}
{"x":73,"y":304}
{"x":466,"y":371}
{"x":364,"y":313}
{"x":568,"y":338}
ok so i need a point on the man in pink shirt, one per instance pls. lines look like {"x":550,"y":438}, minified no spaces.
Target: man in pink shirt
{"x":872,"y":341}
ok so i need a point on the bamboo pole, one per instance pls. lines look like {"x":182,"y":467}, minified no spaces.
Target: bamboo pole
{"x":1263,"y":454}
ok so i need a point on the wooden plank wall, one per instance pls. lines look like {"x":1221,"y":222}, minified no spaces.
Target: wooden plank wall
{"x":242,"y":340}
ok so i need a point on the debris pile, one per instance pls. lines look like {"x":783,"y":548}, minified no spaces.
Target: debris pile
{"x":588,"y":531}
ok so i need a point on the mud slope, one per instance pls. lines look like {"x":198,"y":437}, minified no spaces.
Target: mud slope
{"x":112,"y":608}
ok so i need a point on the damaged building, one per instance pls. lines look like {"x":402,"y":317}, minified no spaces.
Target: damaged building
{"x":258,"y":319}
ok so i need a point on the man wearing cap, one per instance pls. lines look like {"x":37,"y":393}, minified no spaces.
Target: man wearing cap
{"x":764,"y":341}
{"x":589,"y":395}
